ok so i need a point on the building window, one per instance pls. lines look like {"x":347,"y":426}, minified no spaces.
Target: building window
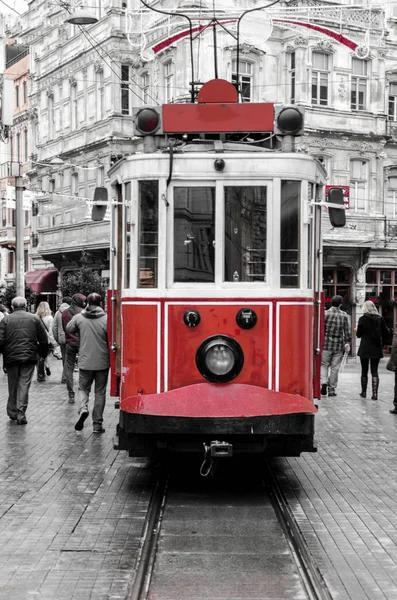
{"x":18,"y":147}
{"x":101,"y":176}
{"x":245,"y":76}
{"x":320,"y":74}
{"x":51,"y":117}
{"x":26,"y":145}
{"x":25,"y":92}
{"x":11,"y":262}
{"x":358,"y":184}
{"x":100,"y":94}
{"x":292,"y":76}
{"x":337,"y":281}
{"x":145,"y":82}
{"x":125,"y":92}
{"x":391,"y":198}
{"x":17,"y":96}
{"x":359,"y":84}
{"x":75,"y":184}
{"x":393,"y":102}
{"x":168,"y":81}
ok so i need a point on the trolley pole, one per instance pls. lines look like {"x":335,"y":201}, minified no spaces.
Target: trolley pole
{"x":19,"y":238}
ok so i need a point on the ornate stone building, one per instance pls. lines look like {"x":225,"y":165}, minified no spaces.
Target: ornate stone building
{"x":337,"y":60}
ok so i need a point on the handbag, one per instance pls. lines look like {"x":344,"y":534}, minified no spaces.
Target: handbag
{"x":390,"y":366}
{"x":50,"y":343}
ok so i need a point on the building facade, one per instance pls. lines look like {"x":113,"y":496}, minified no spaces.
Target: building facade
{"x":87,"y":82}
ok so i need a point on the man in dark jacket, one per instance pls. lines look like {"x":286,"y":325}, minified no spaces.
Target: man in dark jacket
{"x":72,"y":341}
{"x":22,"y":337}
{"x":91,"y":325}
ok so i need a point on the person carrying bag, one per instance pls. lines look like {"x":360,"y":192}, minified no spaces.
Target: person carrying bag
{"x":44,"y":313}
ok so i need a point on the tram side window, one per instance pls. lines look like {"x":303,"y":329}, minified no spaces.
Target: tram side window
{"x":289,"y":234}
{"x":148,"y":234}
{"x":245,"y":233}
{"x":194,"y":234}
{"x":127,"y":233}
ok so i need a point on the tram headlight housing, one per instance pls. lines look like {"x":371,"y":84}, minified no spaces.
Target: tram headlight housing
{"x":219,"y":358}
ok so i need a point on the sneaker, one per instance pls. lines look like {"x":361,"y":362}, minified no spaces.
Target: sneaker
{"x":324,"y":389}
{"x":22,"y":421}
{"x":99,"y":430}
{"x":80,"y":423}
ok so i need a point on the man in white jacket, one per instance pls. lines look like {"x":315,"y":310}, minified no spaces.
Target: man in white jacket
{"x":94,"y":361}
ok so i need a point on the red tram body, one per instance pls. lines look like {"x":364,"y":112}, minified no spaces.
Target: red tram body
{"x":215,"y":313}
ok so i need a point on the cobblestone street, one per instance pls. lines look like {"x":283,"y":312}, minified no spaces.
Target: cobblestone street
{"x":72,"y":508}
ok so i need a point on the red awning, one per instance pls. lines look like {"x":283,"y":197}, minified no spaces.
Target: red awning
{"x":42,"y":281}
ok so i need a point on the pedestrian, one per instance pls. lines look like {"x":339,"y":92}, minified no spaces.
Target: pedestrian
{"x":72,"y":341}
{"x":58,"y":331}
{"x":94,"y":362}
{"x":22,"y":338}
{"x":336,"y":341}
{"x":3,"y":312}
{"x":393,"y":360}
{"x":374,"y":333}
{"x":44,"y":313}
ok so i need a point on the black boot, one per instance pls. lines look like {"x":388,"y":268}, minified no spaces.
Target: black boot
{"x":364,"y":383}
{"x":375,"y":385}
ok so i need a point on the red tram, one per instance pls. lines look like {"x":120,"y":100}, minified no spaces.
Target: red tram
{"x":214,"y":306}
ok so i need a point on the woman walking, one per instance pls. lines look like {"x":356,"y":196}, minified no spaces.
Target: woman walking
{"x":44,"y":313}
{"x":372,"y":329}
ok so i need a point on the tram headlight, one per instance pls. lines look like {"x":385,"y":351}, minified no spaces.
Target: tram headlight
{"x":219,"y":359}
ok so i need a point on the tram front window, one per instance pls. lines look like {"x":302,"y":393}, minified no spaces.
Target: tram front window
{"x":194,"y":234}
{"x":245,"y":233}
{"x":148,"y":233}
{"x":289,"y":234}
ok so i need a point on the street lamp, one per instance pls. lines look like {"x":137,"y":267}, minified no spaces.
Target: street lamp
{"x":81,"y":17}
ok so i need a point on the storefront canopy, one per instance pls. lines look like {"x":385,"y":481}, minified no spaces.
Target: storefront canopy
{"x":42,"y":281}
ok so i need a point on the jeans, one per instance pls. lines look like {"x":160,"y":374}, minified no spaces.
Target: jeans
{"x":330,"y":363}
{"x":86,"y":378}
{"x":19,"y":379}
{"x":70,"y":360}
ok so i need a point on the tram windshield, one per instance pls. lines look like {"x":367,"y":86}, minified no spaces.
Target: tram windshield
{"x":245,"y":233}
{"x":194,"y":234}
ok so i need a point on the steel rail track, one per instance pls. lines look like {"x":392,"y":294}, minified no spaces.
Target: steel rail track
{"x":311,"y":576}
{"x":150,"y":536}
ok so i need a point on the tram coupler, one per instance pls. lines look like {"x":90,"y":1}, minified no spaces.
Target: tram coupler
{"x":220,"y":449}
{"x":212,"y":452}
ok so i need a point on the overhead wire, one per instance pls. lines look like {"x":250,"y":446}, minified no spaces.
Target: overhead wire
{"x":10,"y":8}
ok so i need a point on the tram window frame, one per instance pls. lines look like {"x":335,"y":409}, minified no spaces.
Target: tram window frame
{"x":192,"y":244}
{"x":127,"y":235}
{"x":148,"y":188}
{"x":290,"y":233}
{"x":252,"y":216}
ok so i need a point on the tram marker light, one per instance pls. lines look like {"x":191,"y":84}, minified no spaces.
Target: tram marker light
{"x":100,"y":204}
{"x":289,"y":120}
{"x":147,"y":121}
{"x":337,"y":216}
